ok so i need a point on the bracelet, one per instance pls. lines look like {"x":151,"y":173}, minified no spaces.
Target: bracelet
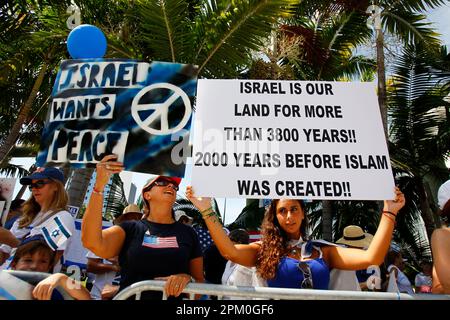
{"x":390,"y":218}
{"x":391,"y":213}
{"x":94,"y":190}
{"x":211,"y":214}
{"x":202,"y":212}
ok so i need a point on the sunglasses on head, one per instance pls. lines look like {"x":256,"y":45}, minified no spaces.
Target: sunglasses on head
{"x":307,"y":282}
{"x":164,"y":183}
{"x":38,"y":184}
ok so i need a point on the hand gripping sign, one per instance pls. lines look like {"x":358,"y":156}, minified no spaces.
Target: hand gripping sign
{"x":123,"y":107}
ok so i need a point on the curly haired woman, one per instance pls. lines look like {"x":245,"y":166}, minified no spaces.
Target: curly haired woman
{"x":283,"y":257}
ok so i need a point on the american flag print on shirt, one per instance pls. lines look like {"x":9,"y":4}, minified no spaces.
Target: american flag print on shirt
{"x":160,"y":242}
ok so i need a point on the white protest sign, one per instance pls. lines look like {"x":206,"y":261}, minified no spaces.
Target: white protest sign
{"x":290,"y":139}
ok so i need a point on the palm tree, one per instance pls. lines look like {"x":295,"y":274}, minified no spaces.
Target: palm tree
{"x":420,"y":125}
{"x":215,"y":35}
{"x":219,"y":36}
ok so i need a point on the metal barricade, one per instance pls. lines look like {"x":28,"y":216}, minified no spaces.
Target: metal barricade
{"x":266,"y":293}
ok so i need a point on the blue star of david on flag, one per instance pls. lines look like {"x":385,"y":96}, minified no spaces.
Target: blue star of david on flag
{"x":55,"y":233}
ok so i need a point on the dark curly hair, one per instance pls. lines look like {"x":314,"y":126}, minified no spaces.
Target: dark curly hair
{"x":274,"y":241}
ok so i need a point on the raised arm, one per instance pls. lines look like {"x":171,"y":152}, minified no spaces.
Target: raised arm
{"x":106,"y":243}
{"x":357,"y":259}
{"x":243,"y":254}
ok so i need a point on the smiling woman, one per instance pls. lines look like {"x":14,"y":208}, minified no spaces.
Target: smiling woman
{"x":285,"y":257}
{"x":156,"y":247}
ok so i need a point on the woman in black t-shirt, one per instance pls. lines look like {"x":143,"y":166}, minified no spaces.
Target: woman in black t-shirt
{"x":156,"y":247}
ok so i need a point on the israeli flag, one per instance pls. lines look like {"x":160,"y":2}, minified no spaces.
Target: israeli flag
{"x":55,"y":233}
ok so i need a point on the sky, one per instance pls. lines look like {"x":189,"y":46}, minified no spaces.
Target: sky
{"x":230,"y":208}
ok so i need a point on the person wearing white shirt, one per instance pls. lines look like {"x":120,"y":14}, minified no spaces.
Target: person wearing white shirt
{"x":44,"y":213}
{"x":396,"y":264}
{"x":423,"y":281}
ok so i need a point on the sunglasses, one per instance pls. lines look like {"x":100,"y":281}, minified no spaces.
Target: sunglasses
{"x":307,"y":282}
{"x":164,"y":183}
{"x":38,"y":184}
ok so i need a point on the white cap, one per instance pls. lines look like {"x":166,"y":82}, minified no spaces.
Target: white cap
{"x":180,"y":213}
{"x":444,"y":194}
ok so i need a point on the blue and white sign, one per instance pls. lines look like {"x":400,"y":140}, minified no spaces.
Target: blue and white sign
{"x":136,"y":110}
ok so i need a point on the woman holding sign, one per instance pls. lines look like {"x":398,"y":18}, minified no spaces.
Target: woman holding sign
{"x":284,"y":258}
{"x":156,"y":247}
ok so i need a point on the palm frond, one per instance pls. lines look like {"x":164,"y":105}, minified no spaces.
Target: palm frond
{"x":410,"y":27}
{"x":166,"y":29}
{"x":227,"y":37}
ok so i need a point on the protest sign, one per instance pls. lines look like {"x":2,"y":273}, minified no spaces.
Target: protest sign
{"x":290,"y":139}
{"x":6,"y":194}
{"x":136,"y":110}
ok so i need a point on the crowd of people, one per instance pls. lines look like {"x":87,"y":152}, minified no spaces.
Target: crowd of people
{"x":161,"y":243}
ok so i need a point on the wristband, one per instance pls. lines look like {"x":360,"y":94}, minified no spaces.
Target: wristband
{"x":389,"y":212}
{"x":94,"y":190}
{"x":206,"y":210}
{"x":389,"y":217}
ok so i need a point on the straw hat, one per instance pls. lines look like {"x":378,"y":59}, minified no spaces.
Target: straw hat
{"x":181,"y":213}
{"x":128,"y":213}
{"x":444,"y":194}
{"x":355,"y":236}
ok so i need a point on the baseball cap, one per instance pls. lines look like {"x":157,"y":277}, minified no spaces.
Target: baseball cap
{"x":44,"y":173}
{"x":175,"y":180}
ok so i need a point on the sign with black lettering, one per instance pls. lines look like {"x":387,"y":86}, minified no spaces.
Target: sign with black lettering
{"x":136,"y":110}
{"x":290,"y":139}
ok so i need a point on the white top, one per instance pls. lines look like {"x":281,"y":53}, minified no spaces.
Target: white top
{"x":101,"y":279}
{"x":423,"y":280}
{"x":56,"y":228}
{"x":237,"y":275}
{"x":35,"y":227}
{"x":403,"y":283}
{"x":343,"y":280}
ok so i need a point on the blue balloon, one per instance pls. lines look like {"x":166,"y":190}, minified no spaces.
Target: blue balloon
{"x":86,"y":41}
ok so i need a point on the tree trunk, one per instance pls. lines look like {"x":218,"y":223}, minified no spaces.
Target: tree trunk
{"x":327,"y":220}
{"x":78,"y":186}
{"x":24,"y":188}
{"x":21,"y":192}
{"x":10,"y":141}
{"x":381,"y":73}
{"x":426,"y":213}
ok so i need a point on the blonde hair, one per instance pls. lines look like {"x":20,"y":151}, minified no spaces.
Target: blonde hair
{"x":31,"y":208}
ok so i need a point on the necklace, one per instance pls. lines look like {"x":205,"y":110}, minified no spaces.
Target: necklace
{"x":295,"y":246}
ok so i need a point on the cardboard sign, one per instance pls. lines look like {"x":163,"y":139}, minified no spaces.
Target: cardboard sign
{"x":290,"y":139}
{"x":136,"y":110}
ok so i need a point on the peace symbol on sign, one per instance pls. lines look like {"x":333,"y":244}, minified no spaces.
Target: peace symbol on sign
{"x":161,"y":110}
